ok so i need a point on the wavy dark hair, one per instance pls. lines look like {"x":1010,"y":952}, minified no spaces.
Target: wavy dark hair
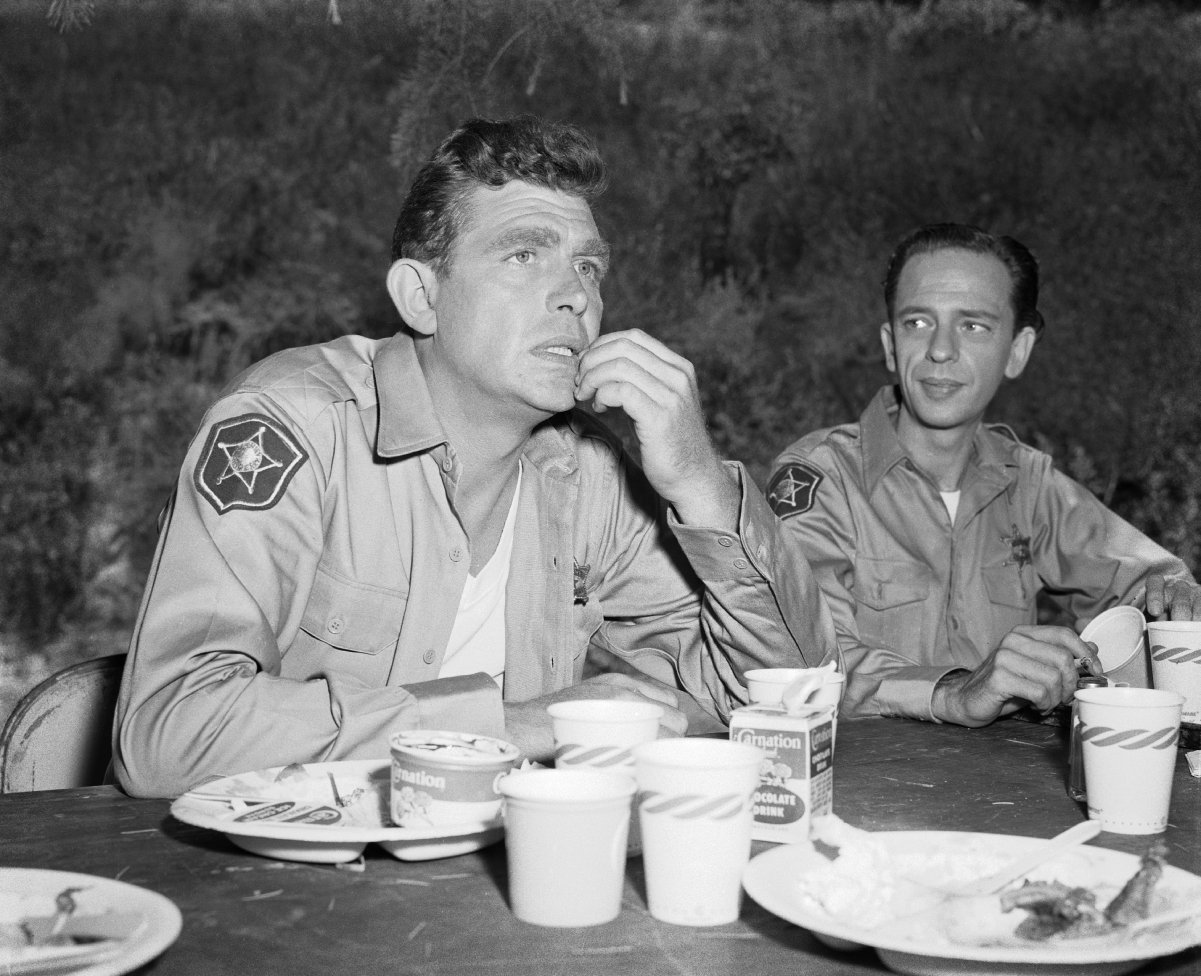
{"x":481,"y":152}
{"x":1022,"y":266}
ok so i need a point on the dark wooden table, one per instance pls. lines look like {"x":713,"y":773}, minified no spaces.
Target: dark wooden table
{"x":243,"y":913}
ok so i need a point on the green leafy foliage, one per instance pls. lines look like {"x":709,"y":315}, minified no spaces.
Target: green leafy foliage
{"x":188,"y":186}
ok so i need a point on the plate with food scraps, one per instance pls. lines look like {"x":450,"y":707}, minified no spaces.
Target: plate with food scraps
{"x":62,"y":922}
{"x":888,"y":890}
{"x":323,"y":813}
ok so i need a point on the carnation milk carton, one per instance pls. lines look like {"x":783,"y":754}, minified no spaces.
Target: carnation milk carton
{"x":796,"y":780}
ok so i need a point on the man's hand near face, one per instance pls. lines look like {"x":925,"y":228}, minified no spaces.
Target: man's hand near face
{"x":528,"y":724}
{"x":657,"y":390}
{"x":1177,"y":599}
{"x":1033,"y":665}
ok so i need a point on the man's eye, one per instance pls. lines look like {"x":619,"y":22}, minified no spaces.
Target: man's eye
{"x":522,"y":257}
{"x":975,"y":327}
{"x":914,"y":323}
{"x":589,"y":269}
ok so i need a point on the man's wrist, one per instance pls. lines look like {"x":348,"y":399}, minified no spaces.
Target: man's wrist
{"x":944,"y":701}
{"x":713,"y":501}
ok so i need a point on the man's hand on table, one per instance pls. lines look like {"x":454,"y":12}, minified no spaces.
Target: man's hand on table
{"x":1033,"y":665}
{"x":657,"y":390}
{"x":528,"y":725}
{"x":1177,"y":599}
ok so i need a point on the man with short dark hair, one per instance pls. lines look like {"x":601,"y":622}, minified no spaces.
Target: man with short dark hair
{"x":424,"y":531}
{"x":932,"y":533}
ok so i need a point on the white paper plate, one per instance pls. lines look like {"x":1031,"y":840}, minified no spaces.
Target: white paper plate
{"x":364,"y":820}
{"x":32,"y":891}
{"x":771,"y":879}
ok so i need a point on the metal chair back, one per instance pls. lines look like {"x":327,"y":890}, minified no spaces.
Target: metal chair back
{"x":60,"y":734}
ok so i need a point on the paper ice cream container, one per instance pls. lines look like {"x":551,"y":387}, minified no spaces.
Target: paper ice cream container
{"x":443,"y":777}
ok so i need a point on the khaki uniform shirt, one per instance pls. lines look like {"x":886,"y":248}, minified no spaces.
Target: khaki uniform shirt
{"x":915,"y":596}
{"x":309,"y":571}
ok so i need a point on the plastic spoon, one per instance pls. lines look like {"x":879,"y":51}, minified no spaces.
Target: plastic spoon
{"x":1084,"y":831}
{"x":904,"y":925}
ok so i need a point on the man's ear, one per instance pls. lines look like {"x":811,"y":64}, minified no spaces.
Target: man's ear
{"x":1019,"y":352}
{"x":890,"y":357}
{"x":413,"y":286}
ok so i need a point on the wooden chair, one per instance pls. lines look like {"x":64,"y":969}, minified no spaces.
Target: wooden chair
{"x":60,"y":733}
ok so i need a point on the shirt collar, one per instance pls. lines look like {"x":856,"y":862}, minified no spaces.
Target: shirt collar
{"x":993,"y":448}
{"x":407,"y":424}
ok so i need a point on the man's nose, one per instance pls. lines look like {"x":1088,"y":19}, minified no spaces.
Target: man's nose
{"x":568,"y":293}
{"x":944,"y":345}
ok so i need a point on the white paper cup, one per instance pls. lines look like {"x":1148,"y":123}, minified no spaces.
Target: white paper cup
{"x":766,"y":686}
{"x":565,"y":840}
{"x":1176,"y":662}
{"x":600,"y":733}
{"x":1121,"y":640}
{"x":1128,"y":737}
{"x":695,"y":809}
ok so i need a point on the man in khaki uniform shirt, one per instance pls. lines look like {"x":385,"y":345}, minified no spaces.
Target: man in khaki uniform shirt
{"x":340,"y":499}
{"x":933,"y":533}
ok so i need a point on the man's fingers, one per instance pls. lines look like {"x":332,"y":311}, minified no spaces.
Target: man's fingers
{"x":1155,"y":592}
{"x":1044,"y":682}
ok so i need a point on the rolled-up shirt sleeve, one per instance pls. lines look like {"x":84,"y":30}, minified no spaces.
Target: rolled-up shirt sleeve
{"x":696,"y":606}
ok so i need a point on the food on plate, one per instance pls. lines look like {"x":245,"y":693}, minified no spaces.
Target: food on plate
{"x":306,"y":795}
{"x":1039,"y":911}
{"x":37,"y":926}
{"x":1055,"y":910}
{"x":907,"y":892}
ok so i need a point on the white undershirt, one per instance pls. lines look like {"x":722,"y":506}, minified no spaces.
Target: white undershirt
{"x":951,"y":500}
{"x":477,"y":640}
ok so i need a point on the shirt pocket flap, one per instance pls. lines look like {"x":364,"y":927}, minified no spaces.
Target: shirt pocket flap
{"x":885,"y":583}
{"x":1004,"y":586}
{"x":353,"y":616}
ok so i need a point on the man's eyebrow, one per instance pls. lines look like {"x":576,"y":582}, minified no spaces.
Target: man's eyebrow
{"x":962,"y":313}
{"x":596,"y":247}
{"x":526,"y":237}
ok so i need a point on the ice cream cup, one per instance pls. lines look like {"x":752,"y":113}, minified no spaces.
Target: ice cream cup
{"x":444,"y":778}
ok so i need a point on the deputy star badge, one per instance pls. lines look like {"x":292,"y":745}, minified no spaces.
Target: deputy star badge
{"x":1019,"y":547}
{"x":580,"y":578}
{"x":793,"y":489}
{"x":247,"y":462}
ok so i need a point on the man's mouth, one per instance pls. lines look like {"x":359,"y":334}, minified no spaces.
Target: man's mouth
{"x":941,"y":387}
{"x":560,"y":351}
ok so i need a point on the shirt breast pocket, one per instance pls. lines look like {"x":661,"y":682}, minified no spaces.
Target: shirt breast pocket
{"x":346,"y":627}
{"x":1011,"y":601}
{"x":891,"y":597}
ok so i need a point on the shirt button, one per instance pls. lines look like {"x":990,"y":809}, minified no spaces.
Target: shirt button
{"x":447,"y":464}
{"x":335,"y":624}
{"x":456,"y":554}
{"x":761,"y":552}
{"x":725,"y":541}
{"x":428,"y":656}
{"x":954,"y":623}
{"x":741,"y":563}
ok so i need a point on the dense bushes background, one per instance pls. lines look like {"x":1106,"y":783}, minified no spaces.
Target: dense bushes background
{"x":186,"y":186}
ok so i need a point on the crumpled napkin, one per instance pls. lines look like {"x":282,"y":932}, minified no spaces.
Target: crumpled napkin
{"x":800,"y":691}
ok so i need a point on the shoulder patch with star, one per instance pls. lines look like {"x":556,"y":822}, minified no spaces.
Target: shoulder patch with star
{"x":247,"y":462}
{"x":792,"y":490}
